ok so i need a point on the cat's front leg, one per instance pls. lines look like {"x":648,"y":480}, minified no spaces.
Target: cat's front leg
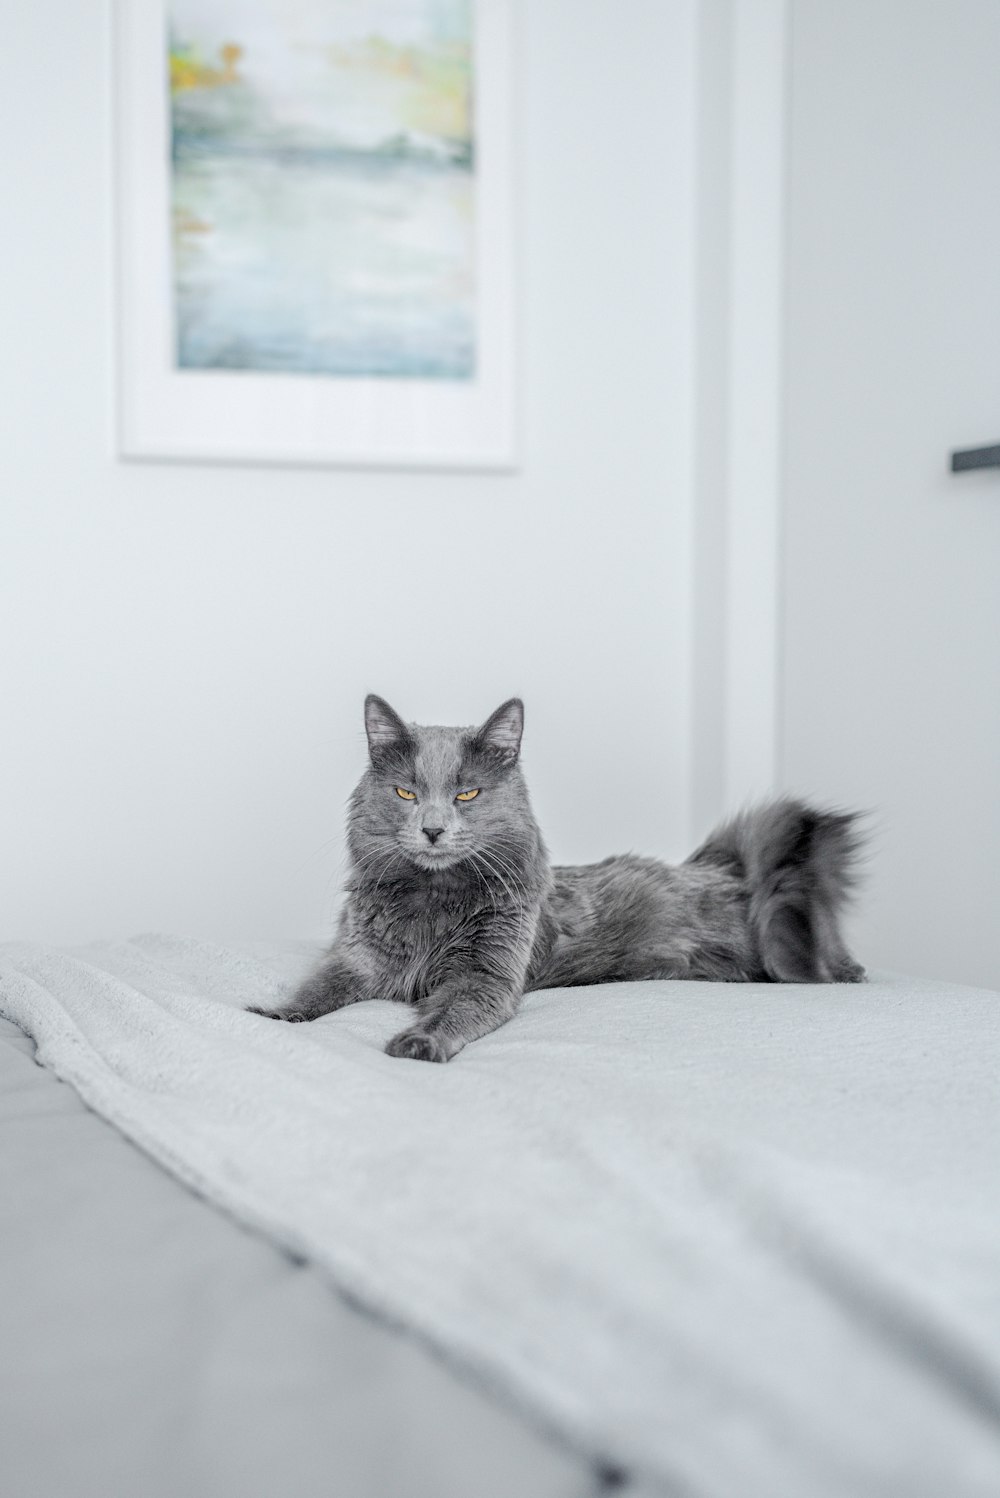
{"x":449,"y":1018}
{"x":336,"y":983}
{"x":479,"y":990}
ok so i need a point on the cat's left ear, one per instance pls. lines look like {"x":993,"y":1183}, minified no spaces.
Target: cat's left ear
{"x":502,"y":730}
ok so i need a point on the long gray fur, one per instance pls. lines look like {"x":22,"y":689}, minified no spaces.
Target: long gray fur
{"x":453,"y":907}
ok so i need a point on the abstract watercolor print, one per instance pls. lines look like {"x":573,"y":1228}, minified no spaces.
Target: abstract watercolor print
{"x":323,"y":186}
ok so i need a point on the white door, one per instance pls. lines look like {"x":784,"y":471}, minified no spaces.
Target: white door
{"x":891,"y":564}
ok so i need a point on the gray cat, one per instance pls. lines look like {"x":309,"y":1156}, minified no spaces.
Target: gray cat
{"x":452,"y":905}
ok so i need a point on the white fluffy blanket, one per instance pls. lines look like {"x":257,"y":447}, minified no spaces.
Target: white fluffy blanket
{"x":742,"y":1239}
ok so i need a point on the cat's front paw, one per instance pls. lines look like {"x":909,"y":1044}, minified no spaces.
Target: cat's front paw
{"x":417,"y":1045}
{"x":292,"y":1016}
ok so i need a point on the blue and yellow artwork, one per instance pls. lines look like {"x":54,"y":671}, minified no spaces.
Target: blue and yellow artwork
{"x":323,"y":187}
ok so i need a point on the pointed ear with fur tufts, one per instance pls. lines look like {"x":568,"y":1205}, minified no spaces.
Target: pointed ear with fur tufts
{"x":383,"y":725}
{"x":501,"y":733}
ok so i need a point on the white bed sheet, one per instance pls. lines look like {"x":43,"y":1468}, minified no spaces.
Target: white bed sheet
{"x":738,"y":1238}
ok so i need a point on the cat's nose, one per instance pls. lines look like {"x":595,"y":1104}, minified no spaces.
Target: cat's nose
{"x":432,"y":833}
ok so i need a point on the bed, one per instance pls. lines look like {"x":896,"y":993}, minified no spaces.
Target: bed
{"x":661,"y":1238}
{"x":153,"y":1346}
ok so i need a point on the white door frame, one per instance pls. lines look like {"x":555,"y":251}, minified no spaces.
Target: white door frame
{"x":741,"y":215}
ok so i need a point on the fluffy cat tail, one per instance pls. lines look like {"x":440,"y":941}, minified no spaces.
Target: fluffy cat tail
{"x":799,"y":864}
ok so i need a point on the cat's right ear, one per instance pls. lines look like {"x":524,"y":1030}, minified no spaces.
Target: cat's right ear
{"x":383,"y":725}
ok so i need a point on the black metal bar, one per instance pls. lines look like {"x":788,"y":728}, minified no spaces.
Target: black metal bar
{"x":976,"y":457}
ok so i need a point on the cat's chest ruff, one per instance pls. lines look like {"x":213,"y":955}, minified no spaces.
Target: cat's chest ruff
{"x":412,"y":939}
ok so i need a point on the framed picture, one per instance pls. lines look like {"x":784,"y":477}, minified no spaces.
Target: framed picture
{"x":314,"y":231}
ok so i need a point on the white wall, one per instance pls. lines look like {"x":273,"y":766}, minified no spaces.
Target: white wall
{"x":184,"y":650}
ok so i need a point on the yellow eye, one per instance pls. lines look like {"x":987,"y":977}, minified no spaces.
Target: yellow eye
{"x":406,"y":795}
{"x":466,"y":795}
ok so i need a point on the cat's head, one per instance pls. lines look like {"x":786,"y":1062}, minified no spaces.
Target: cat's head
{"x":436,"y":796}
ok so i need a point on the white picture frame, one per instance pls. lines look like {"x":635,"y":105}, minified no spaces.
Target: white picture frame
{"x":165,"y":412}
